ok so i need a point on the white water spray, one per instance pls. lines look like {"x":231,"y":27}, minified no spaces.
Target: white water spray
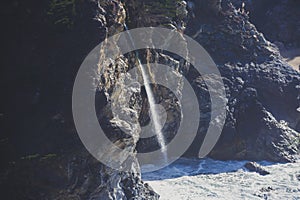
{"x":153,"y":110}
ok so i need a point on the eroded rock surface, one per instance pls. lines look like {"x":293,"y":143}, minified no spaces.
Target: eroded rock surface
{"x":262,"y":93}
{"x":255,"y":167}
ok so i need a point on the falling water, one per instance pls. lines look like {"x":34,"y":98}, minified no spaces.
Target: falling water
{"x":152,"y":105}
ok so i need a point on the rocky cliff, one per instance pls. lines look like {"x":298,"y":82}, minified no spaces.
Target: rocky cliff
{"x":261,"y":89}
{"x":260,"y":123}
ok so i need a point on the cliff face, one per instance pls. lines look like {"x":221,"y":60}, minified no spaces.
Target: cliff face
{"x":273,"y":19}
{"x":262,"y":91}
{"x":59,"y":167}
{"x":262,"y":117}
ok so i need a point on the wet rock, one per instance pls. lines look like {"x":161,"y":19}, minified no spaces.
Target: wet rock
{"x":262,"y":120}
{"x":112,"y":92}
{"x":266,"y":189}
{"x":262,"y":91}
{"x":264,"y":192}
{"x":70,"y":176}
{"x":255,"y":167}
{"x":298,"y":177}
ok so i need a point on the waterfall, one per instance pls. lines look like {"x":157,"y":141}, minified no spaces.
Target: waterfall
{"x":153,"y":110}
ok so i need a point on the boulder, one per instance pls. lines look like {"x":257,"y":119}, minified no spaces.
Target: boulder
{"x":255,"y":167}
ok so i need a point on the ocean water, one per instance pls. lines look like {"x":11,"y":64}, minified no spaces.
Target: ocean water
{"x":192,"y":179}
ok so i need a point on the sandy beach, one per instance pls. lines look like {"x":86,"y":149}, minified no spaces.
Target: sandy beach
{"x":292,"y":56}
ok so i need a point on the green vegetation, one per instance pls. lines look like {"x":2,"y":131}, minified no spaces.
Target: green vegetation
{"x":48,"y":156}
{"x":30,"y":157}
{"x":62,"y":12}
{"x":168,"y":7}
{"x":35,"y":156}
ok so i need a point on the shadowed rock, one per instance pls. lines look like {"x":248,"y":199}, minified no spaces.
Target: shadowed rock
{"x":255,"y":167}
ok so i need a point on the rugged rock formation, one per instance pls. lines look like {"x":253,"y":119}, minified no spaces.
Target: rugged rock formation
{"x":255,"y":167}
{"x":262,"y":119}
{"x":74,"y":175}
{"x":277,"y":19}
{"x":262,"y":91}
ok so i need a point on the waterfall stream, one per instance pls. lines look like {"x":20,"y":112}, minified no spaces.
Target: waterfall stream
{"x":153,"y":107}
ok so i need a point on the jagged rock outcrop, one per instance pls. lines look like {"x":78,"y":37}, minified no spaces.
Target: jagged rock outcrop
{"x":74,"y":174}
{"x":112,"y":92}
{"x":262,"y":118}
{"x":255,"y":167}
{"x":277,"y":19}
{"x":263,"y":91}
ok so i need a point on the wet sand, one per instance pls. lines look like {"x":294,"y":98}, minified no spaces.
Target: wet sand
{"x":292,"y":57}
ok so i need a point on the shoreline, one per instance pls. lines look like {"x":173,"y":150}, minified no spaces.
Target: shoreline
{"x":292,"y":57}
